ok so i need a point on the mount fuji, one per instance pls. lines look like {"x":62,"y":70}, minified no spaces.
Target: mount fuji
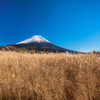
{"x":37,"y":42}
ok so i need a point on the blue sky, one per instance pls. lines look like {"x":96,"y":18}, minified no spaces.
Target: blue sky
{"x":72,"y":24}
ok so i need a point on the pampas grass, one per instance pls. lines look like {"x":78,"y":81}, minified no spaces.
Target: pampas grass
{"x":52,"y":76}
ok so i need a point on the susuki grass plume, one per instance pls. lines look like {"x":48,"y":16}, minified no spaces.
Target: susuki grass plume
{"x":60,"y":76}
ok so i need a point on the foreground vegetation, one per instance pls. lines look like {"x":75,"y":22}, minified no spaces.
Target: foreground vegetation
{"x":52,"y":76}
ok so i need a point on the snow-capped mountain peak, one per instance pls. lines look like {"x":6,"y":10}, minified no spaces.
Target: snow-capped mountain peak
{"x":35,"y":38}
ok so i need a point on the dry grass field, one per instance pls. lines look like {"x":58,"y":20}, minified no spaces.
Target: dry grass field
{"x":52,"y":76}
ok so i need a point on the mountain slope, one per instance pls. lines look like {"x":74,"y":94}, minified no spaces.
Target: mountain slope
{"x":37,"y":42}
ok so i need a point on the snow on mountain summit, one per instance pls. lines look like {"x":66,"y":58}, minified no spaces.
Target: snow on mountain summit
{"x":35,"y":38}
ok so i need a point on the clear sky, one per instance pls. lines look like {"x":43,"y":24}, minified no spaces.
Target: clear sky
{"x":72,"y":24}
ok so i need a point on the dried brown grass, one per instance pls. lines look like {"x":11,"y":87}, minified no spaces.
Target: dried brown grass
{"x":50,"y":76}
